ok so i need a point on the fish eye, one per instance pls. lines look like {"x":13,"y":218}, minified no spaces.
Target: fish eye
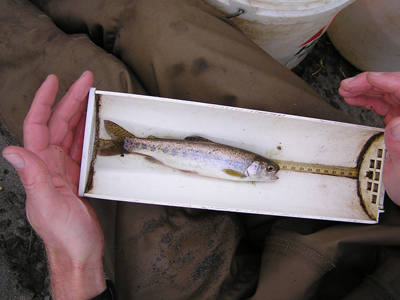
{"x":270,"y":168}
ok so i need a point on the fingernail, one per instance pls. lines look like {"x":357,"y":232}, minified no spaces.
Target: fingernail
{"x":350,"y":79}
{"x":376,"y":74}
{"x":83,"y":74}
{"x":15,"y":160}
{"x":47,"y":78}
{"x":395,"y":131}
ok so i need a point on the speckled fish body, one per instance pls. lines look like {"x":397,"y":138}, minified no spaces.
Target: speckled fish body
{"x":195,"y":155}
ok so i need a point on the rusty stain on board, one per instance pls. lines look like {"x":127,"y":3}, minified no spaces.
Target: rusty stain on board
{"x":362,"y":159}
{"x":89,"y":183}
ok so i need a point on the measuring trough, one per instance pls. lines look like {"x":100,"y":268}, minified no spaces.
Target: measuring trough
{"x":329,"y":170}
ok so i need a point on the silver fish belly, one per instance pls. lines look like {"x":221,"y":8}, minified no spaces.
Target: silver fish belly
{"x":205,"y":158}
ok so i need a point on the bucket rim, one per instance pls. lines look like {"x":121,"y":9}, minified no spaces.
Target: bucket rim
{"x":286,"y":9}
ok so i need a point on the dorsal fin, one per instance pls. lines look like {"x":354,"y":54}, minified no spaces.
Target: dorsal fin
{"x":196,"y":138}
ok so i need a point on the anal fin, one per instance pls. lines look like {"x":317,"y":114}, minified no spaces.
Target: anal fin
{"x":152,"y":159}
{"x":189,"y":172}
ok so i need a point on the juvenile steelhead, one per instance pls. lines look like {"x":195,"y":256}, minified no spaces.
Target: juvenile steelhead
{"x":193,"y":154}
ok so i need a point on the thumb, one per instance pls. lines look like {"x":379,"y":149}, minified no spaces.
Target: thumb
{"x":392,"y":139}
{"x":391,"y":172}
{"x":30,"y":168}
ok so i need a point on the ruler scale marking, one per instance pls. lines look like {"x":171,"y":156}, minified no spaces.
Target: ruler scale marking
{"x":318,"y":169}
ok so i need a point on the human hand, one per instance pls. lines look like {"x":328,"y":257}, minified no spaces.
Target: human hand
{"x":49,"y":166}
{"x":381,"y":92}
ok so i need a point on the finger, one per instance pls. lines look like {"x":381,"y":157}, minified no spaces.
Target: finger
{"x":75,"y":151}
{"x":68,"y":141}
{"x":375,"y":103}
{"x":386,"y":82}
{"x":36,"y":133}
{"x":67,"y":113}
{"x":355,"y":85}
{"x":372,"y":83}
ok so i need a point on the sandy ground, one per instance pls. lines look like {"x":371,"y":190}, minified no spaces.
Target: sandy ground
{"x":23,"y":269}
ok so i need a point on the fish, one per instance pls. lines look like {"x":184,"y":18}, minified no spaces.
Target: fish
{"x":194,"y":154}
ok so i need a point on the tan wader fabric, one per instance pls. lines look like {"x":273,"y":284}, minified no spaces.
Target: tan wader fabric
{"x":186,"y":50}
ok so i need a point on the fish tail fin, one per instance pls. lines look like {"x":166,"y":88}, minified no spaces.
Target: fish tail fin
{"x":115,"y":146}
{"x":110,"y":147}
{"x":115,"y":131}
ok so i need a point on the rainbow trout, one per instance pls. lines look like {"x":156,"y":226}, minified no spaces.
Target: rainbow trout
{"x":194,"y":154}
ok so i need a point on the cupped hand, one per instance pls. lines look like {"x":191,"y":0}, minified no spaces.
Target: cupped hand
{"x":380,"y":92}
{"x":49,"y":166}
{"x":377,"y":91}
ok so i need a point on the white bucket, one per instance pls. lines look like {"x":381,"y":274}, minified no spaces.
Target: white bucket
{"x":367,"y":34}
{"x":286,"y":29}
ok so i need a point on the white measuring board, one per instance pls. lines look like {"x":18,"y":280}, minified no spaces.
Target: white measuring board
{"x":329,"y":170}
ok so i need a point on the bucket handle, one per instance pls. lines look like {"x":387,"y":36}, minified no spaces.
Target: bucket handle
{"x":236,"y":14}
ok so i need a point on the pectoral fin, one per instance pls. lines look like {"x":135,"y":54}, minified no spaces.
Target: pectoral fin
{"x":234,"y":173}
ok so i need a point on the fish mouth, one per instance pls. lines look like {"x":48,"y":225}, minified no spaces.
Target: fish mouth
{"x":274,"y":177}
